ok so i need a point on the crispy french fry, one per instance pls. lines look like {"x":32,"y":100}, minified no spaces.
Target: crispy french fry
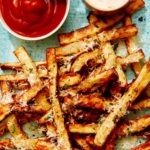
{"x":41,"y":105}
{"x":129,"y":97}
{"x":6,"y":99}
{"x":69,"y":79}
{"x":90,"y":101}
{"x":99,"y":25}
{"x":117,"y":33}
{"x":134,"y":6}
{"x":111,"y":61}
{"x":88,"y":83}
{"x":89,"y":30}
{"x":132,"y":58}
{"x":132,"y":46}
{"x":84,"y":58}
{"x":133,"y":126}
{"x":82,"y":143}
{"x":63,"y":138}
{"x":145,"y":103}
{"x":83,"y":128}
{"x":28,"y":66}
{"x":14,"y":128}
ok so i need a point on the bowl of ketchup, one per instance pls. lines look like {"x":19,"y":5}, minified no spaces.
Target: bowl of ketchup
{"x":33,"y":19}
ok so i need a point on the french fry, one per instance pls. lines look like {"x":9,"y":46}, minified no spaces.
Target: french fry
{"x":117,"y":33}
{"x":132,"y":58}
{"x":132,"y":46}
{"x":63,"y":138}
{"x":134,"y":6}
{"x":91,"y":29}
{"x":136,"y":125}
{"x":28,"y":66}
{"x":84,"y":58}
{"x":69,"y":79}
{"x":90,"y":101}
{"x":99,"y":25}
{"x":41,"y":105}
{"x":129,"y":97}
{"x":111,"y":61}
{"x":88,"y":83}
{"x":6,"y":99}
{"x":82,"y":143}
{"x":83,"y":128}
{"x":141,"y":104}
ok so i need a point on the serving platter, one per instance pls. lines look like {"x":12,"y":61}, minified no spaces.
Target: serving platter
{"x":77,"y":18}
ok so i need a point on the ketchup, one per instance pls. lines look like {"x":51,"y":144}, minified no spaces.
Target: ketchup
{"x":32,"y":18}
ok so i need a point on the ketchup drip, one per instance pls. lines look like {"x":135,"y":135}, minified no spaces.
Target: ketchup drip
{"x":33,"y":18}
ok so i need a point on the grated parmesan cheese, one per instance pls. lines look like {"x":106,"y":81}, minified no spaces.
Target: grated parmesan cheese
{"x":7,"y":98}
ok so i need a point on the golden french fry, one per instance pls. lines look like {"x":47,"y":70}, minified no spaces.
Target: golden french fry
{"x":83,"y":128}
{"x":133,"y":126}
{"x":132,"y":46}
{"x":134,"y":6}
{"x":128,"y":98}
{"x":90,"y":101}
{"x":82,"y":143}
{"x":28,"y":65}
{"x":91,"y":80}
{"x":84,"y":58}
{"x":63,"y":138}
{"x":111,"y":61}
{"x":132,"y":58}
{"x":89,"y":30}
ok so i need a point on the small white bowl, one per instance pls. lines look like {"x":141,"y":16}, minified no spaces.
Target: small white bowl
{"x":45,"y":35}
{"x":105,"y":7}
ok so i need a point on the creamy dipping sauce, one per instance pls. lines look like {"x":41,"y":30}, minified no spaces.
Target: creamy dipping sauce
{"x":107,"y":5}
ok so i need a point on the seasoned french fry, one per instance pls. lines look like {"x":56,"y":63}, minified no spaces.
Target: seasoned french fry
{"x":93,"y":79}
{"x":14,"y":128}
{"x":99,"y":25}
{"x":145,"y":103}
{"x":132,"y":46}
{"x":82,"y":143}
{"x":117,"y":33}
{"x":28,"y":66}
{"x":134,"y":6}
{"x":90,"y":101}
{"x":129,"y":97}
{"x":6,"y":99}
{"x":133,"y":126}
{"x":63,"y":138}
{"x":84,"y":58}
{"x":83,"y":128}
{"x":132,"y":58}
{"x":91,"y":29}
{"x":111,"y":61}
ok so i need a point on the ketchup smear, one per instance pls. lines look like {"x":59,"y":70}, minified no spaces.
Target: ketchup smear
{"x":33,"y":18}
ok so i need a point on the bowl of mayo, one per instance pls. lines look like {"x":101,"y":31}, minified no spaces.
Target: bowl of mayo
{"x":105,"y":7}
{"x":33,"y":19}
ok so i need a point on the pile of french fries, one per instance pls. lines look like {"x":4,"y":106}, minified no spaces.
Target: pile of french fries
{"x":80,"y":93}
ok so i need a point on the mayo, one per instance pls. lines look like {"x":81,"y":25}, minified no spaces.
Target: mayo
{"x":107,"y":5}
